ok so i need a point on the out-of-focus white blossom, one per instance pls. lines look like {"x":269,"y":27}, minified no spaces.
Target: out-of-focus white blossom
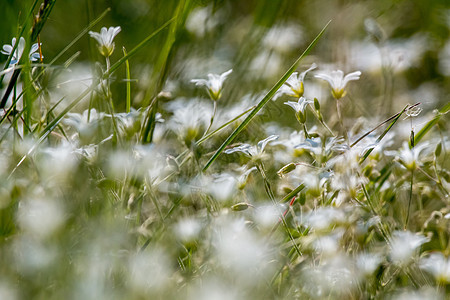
{"x":268,"y":215}
{"x":283,"y":38}
{"x":240,"y":251}
{"x":367,"y":263}
{"x":201,"y":20}
{"x":187,"y":229}
{"x":150,"y":270}
{"x":404,"y":245}
{"x":437,"y":265}
{"x":333,"y":278}
{"x":420,"y":294}
{"x":322,"y":218}
{"x":41,"y":217}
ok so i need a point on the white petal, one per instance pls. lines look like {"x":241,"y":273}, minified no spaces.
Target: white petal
{"x":262,"y":144}
{"x":199,"y":81}
{"x":350,"y":77}
{"x":325,"y":77}
{"x":224,"y":75}
{"x":294,"y":105}
{"x":303,"y":74}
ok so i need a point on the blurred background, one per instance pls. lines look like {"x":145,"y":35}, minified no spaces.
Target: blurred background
{"x":401,"y":47}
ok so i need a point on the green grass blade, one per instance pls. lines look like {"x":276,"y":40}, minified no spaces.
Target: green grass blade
{"x":293,"y":193}
{"x":128,"y":74}
{"x":432,"y":122}
{"x":163,"y":64}
{"x":266,"y":98}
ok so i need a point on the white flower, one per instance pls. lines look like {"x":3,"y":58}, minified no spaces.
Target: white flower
{"x":322,"y":218}
{"x":404,"y":245}
{"x":408,"y":157}
{"x":294,"y":85}
{"x":437,"y":265}
{"x":105,"y":39}
{"x":283,"y":38}
{"x":187,"y":229}
{"x":7,"y":49}
{"x":255,"y":152}
{"x":338,"y":81}
{"x":299,"y":107}
{"x":367,"y":263}
{"x":214,"y":84}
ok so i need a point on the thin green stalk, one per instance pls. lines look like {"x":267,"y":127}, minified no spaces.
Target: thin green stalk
{"x":320,"y":119}
{"x":263,"y":102}
{"x":108,"y":95}
{"x":372,"y":208}
{"x":411,"y":182}
{"x":128,"y":75}
{"x":341,"y":122}
{"x":306,"y":131}
{"x":212,"y":119}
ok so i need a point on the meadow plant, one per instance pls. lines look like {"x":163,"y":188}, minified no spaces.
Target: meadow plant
{"x":121,"y":181}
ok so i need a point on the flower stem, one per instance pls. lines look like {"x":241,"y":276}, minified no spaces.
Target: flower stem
{"x":412,"y":181}
{"x":212,"y":119}
{"x":344,"y":131}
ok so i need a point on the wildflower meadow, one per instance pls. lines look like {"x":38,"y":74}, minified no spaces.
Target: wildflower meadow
{"x":221,"y":149}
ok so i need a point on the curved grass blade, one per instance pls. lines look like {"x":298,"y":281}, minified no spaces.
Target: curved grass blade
{"x":266,"y":98}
